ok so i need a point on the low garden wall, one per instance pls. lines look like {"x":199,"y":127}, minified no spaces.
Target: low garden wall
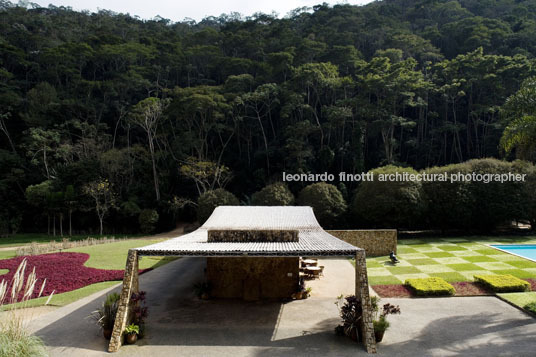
{"x":376,"y":242}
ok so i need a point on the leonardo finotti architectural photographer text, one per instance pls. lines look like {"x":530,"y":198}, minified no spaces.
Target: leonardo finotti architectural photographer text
{"x":406,"y":176}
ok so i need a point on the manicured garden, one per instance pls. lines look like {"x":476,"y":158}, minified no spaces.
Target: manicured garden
{"x":453,"y":259}
{"x":79,"y":272}
{"x":456,"y":261}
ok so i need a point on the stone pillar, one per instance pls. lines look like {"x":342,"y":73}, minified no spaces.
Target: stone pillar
{"x":362,"y":292}
{"x":130,"y":285}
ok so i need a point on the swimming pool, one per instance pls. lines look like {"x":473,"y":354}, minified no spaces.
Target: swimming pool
{"x":527,"y":251}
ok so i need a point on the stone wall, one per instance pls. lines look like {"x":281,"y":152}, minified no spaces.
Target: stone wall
{"x":130,"y":285}
{"x":253,"y":278}
{"x":376,"y":242}
{"x":252,"y":235}
{"x":362,"y":293}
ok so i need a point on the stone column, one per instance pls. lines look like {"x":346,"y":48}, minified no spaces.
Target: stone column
{"x":130,"y":285}
{"x":362,"y":292}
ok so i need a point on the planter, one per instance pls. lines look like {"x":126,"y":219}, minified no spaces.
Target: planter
{"x":107,"y":334}
{"x":379,"y":335}
{"x":131,"y":338}
{"x":353,"y":335}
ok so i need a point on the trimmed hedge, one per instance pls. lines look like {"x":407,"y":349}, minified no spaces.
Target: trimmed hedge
{"x":327,"y":203}
{"x":460,"y":204}
{"x":389,"y":204}
{"x":430,"y":286}
{"x":209,"y":200}
{"x":502,"y":283}
{"x":277,"y":194}
{"x":531,"y":307}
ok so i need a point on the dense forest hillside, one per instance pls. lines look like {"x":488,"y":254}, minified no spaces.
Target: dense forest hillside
{"x":106,"y":112}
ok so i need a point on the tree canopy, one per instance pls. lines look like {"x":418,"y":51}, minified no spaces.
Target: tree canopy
{"x":167,"y":111}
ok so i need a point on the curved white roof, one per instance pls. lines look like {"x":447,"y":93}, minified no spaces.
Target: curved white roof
{"x":312,"y":239}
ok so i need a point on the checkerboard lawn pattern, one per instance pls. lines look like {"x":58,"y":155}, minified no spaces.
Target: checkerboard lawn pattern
{"x":453,"y":259}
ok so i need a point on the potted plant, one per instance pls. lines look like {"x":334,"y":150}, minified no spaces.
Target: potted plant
{"x":202,"y":290}
{"x":139,"y":311}
{"x":307,"y":293}
{"x":350,"y":311}
{"x":105,"y":315}
{"x":131,"y":333}
{"x":380,"y":322}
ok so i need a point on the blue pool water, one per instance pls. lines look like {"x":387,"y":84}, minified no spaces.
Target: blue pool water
{"x":525,"y":250}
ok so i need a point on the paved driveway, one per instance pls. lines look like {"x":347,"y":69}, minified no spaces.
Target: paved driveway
{"x":180,"y":324}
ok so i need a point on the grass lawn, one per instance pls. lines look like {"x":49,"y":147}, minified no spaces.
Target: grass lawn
{"x":26,"y":238}
{"x":103,"y":256}
{"x":6,"y":254}
{"x":453,"y":259}
{"x":69,"y":297}
{"x":519,"y":299}
{"x":113,"y":256}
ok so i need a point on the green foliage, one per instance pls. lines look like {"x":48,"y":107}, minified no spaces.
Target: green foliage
{"x":148,"y":219}
{"x":520,"y":111}
{"x":105,"y":315}
{"x":502,"y":283}
{"x":326,"y":200}
{"x":430,"y":286}
{"x":25,"y":345}
{"x":336,"y":88}
{"x":212,"y":199}
{"x":277,"y":194}
{"x":448,"y":204}
{"x":531,"y":307}
{"x":389,"y":203}
{"x":132,"y":328}
{"x":494,"y":202}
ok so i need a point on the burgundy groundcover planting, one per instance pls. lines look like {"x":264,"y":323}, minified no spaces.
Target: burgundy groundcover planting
{"x":64,"y":272}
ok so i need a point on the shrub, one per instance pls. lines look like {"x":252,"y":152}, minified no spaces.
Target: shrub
{"x":494,"y":202}
{"x":389,"y":203}
{"x":502,"y":283}
{"x":430,"y":286}
{"x":148,"y":219}
{"x":212,"y":199}
{"x":531,"y":307}
{"x":350,"y":310}
{"x":21,"y":345}
{"x":448,"y":205}
{"x":105,"y":315}
{"x":277,"y":194}
{"x":15,"y":339}
{"x":529,"y":190}
{"x":326,"y":200}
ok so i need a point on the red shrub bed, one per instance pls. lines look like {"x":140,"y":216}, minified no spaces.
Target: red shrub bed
{"x":400,"y":291}
{"x":532,"y":283}
{"x":468,"y":288}
{"x":64,"y":271}
{"x":392,"y":291}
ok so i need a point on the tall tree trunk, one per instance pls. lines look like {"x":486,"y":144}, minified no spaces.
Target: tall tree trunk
{"x":54,"y":224}
{"x":155,"y":174}
{"x":48,"y":224}
{"x":45,"y":162}
{"x":3,"y":127}
{"x":100,"y":221}
{"x":61,"y":224}
{"x":70,"y":223}
{"x":265,"y":143}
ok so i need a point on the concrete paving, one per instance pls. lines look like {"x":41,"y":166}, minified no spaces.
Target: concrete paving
{"x":180,"y":324}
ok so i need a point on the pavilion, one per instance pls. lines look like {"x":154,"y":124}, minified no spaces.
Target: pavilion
{"x":254,"y":237}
